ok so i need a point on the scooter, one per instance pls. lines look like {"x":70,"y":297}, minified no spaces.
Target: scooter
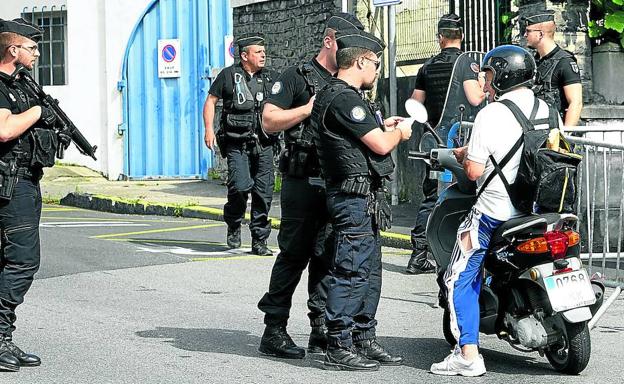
{"x":536,"y":294}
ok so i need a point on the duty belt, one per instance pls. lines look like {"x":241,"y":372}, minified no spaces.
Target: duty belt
{"x":29,"y":174}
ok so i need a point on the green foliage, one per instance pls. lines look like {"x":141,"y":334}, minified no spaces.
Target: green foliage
{"x":278,"y":183}
{"x":507,"y":22}
{"x":607,"y":21}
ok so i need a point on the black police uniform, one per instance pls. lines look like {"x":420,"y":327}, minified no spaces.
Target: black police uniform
{"x":303,"y":229}
{"x":248,"y":149}
{"x":357,"y":205}
{"x":555,"y":70}
{"x":20,"y":207}
{"x":434,"y":77}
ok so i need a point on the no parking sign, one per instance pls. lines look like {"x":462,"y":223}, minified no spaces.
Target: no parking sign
{"x":168,"y":58}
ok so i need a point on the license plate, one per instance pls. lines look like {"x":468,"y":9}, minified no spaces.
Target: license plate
{"x":569,"y":290}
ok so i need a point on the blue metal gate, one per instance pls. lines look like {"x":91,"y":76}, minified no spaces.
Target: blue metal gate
{"x":162,"y":117}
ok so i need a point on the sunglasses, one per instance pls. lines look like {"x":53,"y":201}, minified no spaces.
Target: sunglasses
{"x":32,"y":49}
{"x":376,"y":62}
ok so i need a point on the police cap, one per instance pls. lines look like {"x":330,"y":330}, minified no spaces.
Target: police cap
{"x":344,"y":21}
{"x":539,"y":16}
{"x":450,"y":21}
{"x":355,"y":38}
{"x":250,"y":39}
{"x":21,"y":27}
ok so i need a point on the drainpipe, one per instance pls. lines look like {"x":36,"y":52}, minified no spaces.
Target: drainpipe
{"x":393,"y":91}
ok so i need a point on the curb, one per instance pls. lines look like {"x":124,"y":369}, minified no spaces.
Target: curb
{"x":112,"y":204}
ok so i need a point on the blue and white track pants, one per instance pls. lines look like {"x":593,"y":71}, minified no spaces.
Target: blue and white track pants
{"x":463,"y":276}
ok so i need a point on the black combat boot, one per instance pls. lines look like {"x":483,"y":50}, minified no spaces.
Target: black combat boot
{"x":234,"y":237}
{"x":8,"y":362}
{"x":348,"y":359}
{"x":259,"y":247}
{"x":419,"y":263}
{"x":371,"y":349}
{"x":318,"y":337}
{"x":276,"y":342}
{"x":25,"y":359}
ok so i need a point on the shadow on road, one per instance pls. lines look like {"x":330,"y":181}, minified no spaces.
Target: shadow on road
{"x":418,"y":353}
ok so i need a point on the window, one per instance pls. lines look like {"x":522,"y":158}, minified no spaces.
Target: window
{"x":51,"y":68}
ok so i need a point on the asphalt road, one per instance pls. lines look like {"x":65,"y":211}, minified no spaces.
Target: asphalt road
{"x":143,"y":299}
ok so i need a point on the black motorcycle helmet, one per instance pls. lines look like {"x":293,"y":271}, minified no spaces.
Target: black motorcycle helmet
{"x":512,"y":66}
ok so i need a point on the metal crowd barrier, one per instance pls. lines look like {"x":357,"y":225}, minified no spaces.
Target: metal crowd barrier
{"x":600,"y":205}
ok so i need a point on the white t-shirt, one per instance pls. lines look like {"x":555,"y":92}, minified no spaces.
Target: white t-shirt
{"x":495,"y":131}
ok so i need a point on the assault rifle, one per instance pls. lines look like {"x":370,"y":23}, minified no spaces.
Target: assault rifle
{"x":64,"y":124}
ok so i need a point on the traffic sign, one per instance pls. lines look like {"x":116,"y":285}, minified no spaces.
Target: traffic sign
{"x":383,"y":3}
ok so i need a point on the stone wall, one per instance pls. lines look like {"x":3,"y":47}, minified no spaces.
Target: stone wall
{"x":292,"y":28}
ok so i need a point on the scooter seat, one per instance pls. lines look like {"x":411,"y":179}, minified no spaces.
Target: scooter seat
{"x":519,"y":225}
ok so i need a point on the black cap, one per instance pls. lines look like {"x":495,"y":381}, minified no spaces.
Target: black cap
{"x":344,"y":21}
{"x":22,"y":28}
{"x":538,"y":16}
{"x":450,"y":21}
{"x":250,"y":39}
{"x":360,"y":39}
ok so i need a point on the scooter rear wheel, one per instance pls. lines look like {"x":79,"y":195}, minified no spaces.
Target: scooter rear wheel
{"x":574,"y":357}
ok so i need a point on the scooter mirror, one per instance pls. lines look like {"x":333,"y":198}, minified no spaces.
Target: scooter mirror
{"x":427,"y":142}
{"x":416,"y":110}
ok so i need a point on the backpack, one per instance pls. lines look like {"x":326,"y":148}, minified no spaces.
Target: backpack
{"x":547,"y":178}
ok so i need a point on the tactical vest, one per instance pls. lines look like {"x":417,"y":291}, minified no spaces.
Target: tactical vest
{"x":301,"y":134}
{"x":20,"y":148}
{"x":242,"y":118}
{"x":439,"y":72}
{"x":344,"y":156}
{"x":543,"y":80}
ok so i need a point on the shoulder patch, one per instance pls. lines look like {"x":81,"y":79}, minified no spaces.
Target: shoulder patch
{"x":574,"y":66}
{"x":277,"y":88}
{"x":475,"y":67}
{"x":358,"y":113}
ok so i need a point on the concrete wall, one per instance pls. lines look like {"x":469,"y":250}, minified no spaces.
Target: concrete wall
{"x":97,"y":34}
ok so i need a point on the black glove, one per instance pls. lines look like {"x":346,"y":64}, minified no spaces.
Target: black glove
{"x":64,"y":139}
{"x":47,"y":116}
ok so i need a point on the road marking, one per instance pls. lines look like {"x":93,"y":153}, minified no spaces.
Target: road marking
{"x":211,"y":255}
{"x":111,"y":219}
{"x":157,"y":231}
{"x":81,"y":224}
{"x":50,"y":209}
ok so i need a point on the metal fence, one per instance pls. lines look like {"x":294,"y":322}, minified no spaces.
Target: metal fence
{"x":600,"y":205}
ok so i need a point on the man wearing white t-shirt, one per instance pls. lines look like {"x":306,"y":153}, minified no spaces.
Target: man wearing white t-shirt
{"x":509,"y":72}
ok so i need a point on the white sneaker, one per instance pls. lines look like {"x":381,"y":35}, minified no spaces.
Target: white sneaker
{"x":455,"y":364}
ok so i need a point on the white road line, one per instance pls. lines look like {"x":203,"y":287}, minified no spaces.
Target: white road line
{"x":82,"y":224}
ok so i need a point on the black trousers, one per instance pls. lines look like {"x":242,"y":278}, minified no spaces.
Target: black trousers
{"x":305,"y":240}
{"x":250,"y":170}
{"x":430,"y":194}
{"x":355,"y":284}
{"x":20,"y":251}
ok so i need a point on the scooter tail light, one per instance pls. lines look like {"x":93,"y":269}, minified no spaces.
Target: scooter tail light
{"x":573,"y":238}
{"x":557,"y":243}
{"x":536,"y":245}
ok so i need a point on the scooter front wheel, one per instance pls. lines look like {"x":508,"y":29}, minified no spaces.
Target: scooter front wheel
{"x":573,"y":356}
{"x":446,"y":328}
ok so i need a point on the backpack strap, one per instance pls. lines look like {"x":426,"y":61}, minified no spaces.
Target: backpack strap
{"x":526,"y":126}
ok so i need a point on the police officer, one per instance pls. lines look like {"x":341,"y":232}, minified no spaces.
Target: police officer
{"x":456,"y":73}
{"x":20,"y":171}
{"x":558,"y":79}
{"x":354,"y":145}
{"x":304,"y":228}
{"x":249,"y":150}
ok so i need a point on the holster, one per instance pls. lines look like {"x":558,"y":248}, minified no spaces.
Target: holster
{"x":8,"y":178}
{"x":45,"y":144}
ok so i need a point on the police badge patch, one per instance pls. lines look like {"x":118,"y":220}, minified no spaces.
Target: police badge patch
{"x":574,"y":66}
{"x":277,"y":88}
{"x":358,"y":113}
{"x":474,"y":67}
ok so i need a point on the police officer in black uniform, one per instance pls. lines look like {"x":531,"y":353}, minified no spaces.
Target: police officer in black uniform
{"x":354,"y":145}
{"x":304,"y":229}
{"x":24,"y":124}
{"x":243,"y":88}
{"x":558,"y":79}
{"x":454,"y":73}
